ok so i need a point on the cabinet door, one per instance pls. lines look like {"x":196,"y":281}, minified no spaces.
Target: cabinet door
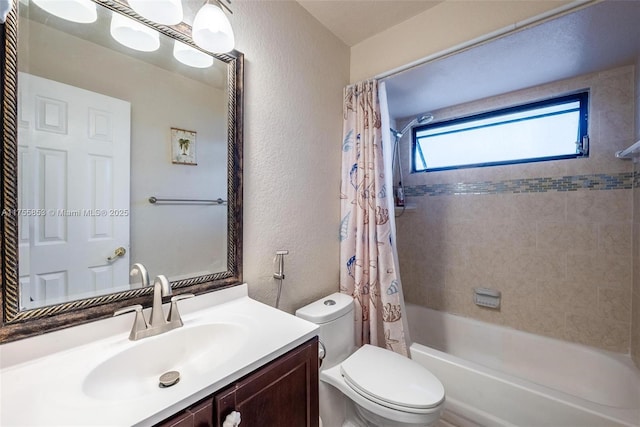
{"x":199,"y":415}
{"x":284,"y":393}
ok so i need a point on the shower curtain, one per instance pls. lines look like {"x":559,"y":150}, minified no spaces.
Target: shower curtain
{"x":368,"y":268}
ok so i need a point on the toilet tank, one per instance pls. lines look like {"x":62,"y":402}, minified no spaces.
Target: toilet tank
{"x":334,"y":316}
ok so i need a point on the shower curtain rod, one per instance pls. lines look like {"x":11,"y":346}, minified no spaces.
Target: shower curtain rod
{"x":538,"y":19}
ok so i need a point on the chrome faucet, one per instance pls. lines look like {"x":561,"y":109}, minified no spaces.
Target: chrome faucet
{"x":161,"y":288}
{"x":157,"y":323}
{"x":139,"y":269}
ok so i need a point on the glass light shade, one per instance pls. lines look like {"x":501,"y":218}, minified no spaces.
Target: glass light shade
{"x":5,"y":8}
{"x":80,"y":11}
{"x":190,"y":56}
{"x":133,"y":34}
{"x":166,"y":12}
{"x":212,"y":30}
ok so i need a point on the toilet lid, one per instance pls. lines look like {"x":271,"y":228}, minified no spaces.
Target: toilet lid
{"x":391,"y":379}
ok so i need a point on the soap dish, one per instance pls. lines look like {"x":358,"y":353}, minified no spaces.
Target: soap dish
{"x":486,"y":297}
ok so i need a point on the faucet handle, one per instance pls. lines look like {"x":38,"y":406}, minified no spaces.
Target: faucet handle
{"x":128,"y":309}
{"x":181,"y":296}
{"x":139,"y":323}
{"x":174,"y":315}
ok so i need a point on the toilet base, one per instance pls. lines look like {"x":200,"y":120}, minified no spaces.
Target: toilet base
{"x":374,"y":420}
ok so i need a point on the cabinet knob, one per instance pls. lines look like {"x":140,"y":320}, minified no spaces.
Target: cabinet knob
{"x":232,"y":420}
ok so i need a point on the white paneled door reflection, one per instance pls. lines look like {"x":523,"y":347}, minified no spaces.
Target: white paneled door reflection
{"x":73,"y":183}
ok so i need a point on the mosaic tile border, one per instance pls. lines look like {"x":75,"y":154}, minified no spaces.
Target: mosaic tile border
{"x":619,"y":181}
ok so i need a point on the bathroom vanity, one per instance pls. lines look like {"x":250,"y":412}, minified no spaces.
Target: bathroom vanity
{"x":283,"y":392}
{"x":233,"y":353}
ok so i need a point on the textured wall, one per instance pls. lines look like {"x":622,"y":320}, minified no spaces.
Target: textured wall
{"x":445,"y":25}
{"x":295,"y":73}
{"x":562,"y":259}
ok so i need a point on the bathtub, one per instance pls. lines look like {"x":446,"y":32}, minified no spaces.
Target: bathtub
{"x":498,"y":376}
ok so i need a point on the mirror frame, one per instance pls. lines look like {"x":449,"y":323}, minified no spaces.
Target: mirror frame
{"x":18,"y":324}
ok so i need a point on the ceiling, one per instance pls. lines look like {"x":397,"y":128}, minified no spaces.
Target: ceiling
{"x":594,"y":38}
{"x":373,"y":16}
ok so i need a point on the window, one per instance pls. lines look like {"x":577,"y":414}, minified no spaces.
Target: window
{"x":547,"y":130}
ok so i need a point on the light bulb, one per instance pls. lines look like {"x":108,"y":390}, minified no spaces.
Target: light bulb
{"x":190,"y":56}
{"x":134,"y":34}
{"x":166,"y":12}
{"x":212,"y":30}
{"x":80,"y":11}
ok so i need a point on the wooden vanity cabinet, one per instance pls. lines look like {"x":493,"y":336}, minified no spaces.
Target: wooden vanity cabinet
{"x":198,"y":415}
{"x":283,"y":393}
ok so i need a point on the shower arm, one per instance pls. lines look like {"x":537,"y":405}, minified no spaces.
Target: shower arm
{"x":422,"y":119}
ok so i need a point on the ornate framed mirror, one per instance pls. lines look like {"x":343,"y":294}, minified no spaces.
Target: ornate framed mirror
{"x":75,"y":216}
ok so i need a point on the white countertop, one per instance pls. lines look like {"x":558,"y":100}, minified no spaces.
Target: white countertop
{"x":41,"y":380}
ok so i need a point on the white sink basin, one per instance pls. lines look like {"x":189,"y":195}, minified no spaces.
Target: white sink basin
{"x":190,"y":350}
{"x":93,"y":375}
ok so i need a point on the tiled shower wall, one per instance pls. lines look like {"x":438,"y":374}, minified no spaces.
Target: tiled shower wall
{"x":635,"y":325}
{"x":553,"y":237}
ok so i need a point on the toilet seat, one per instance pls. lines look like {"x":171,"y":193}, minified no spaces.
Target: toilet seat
{"x":403,"y":385}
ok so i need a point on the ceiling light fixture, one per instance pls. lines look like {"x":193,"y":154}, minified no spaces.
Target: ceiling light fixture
{"x":133,"y":34}
{"x":5,"y":8}
{"x":190,"y":56}
{"x":212,"y":30}
{"x":165,"y":12}
{"x":80,"y":11}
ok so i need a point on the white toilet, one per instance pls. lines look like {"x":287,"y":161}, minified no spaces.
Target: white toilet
{"x":387,"y":389}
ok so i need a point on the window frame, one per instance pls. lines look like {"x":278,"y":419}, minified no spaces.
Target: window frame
{"x":582,"y":146}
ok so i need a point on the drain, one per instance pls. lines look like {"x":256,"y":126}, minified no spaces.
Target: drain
{"x":169,"y":378}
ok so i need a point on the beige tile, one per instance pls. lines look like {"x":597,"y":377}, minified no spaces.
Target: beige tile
{"x":486,"y":314}
{"x":414,"y":291}
{"x":570,"y":237}
{"x":539,"y":265}
{"x":462,"y":233}
{"x":435,"y":299}
{"x":615,"y":239}
{"x":491,"y":173}
{"x":635,"y":329}
{"x":615,"y":304}
{"x":540,"y":169}
{"x":489,"y":208}
{"x":567,"y":297}
{"x":461,"y":279}
{"x":599,"y":206}
{"x":562,"y":260}
{"x":510,"y":235}
{"x":533,"y":207}
{"x":490,"y":263}
{"x":603,"y":163}
{"x":597,"y":332}
{"x":535,"y":319}
{"x":612,"y":90}
{"x":615,"y":126}
{"x":599,"y":270}
{"x":458,"y":302}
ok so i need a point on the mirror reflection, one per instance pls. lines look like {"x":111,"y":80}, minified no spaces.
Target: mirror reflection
{"x":110,"y":116}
